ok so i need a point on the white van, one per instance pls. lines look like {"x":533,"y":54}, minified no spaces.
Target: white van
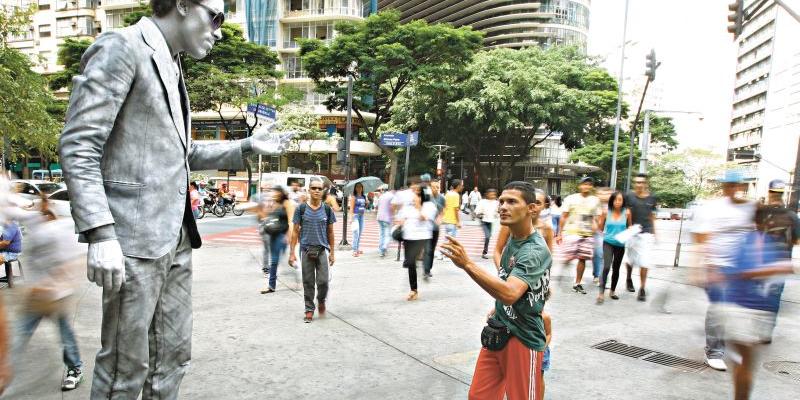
{"x":286,"y":179}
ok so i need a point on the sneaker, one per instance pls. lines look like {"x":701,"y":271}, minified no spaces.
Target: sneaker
{"x":484,"y":256}
{"x":614,"y":296}
{"x":383,"y":254}
{"x":267,"y":290}
{"x":596,"y":281}
{"x":717,"y":364}
{"x":642,"y":295}
{"x":308,"y":317}
{"x":629,"y":285}
{"x":73,"y":379}
{"x":579,"y":289}
{"x":266,"y":273}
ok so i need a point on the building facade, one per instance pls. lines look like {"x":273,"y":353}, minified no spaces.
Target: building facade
{"x":506,"y":23}
{"x":278,"y":24}
{"x":765,"y":117}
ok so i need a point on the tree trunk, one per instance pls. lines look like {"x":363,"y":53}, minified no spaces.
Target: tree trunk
{"x":393,"y":159}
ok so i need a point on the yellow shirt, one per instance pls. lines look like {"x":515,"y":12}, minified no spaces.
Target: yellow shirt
{"x":452,"y":202}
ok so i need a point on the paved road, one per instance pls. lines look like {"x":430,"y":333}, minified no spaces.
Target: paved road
{"x":375,"y":345}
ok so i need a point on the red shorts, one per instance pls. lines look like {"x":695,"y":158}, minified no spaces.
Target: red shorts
{"x":515,"y":371}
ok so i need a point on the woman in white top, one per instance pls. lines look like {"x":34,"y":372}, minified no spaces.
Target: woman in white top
{"x":416,"y":220}
{"x":487,"y":212}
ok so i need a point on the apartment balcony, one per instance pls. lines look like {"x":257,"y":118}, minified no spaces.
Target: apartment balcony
{"x":116,"y":4}
{"x":752,"y":75}
{"x":319,"y":14}
{"x":746,"y":126}
{"x":749,"y":109}
{"x":751,"y":91}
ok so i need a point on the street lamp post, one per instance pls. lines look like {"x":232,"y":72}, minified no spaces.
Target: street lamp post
{"x":348,"y":134}
{"x":619,"y":102}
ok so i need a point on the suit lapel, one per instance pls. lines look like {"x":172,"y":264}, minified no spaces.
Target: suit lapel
{"x":166,"y":71}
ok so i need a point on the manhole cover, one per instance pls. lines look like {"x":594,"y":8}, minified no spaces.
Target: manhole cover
{"x":656,"y":357}
{"x":787,"y":369}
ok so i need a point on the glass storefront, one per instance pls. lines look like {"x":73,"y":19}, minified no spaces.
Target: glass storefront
{"x":215,"y":130}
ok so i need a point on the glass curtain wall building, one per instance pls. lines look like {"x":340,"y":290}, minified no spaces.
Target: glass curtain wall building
{"x":506,"y":23}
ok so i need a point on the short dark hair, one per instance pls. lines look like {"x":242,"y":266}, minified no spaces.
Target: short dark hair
{"x":162,"y":7}
{"x":526,"y":188}
{"x":642,"y":175}
{"x":193,"y":183}
{"x":455,"y":183}
{"x":613,"y":198}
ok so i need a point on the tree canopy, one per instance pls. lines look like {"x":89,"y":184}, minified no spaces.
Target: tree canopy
{"x":69,"y":55}
{"x":511,"y":100}
{"x":384,"y":57}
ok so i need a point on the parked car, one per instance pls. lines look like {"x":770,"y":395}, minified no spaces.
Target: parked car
{"x":33,"y":189}
{"x":59,"y":203}
{"x":663,"y":214}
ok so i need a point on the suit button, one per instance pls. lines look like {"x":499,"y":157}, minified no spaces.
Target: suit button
{"x":182,"y":190}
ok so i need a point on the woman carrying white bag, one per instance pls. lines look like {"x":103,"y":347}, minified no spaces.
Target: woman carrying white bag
{"x":617,"y":229}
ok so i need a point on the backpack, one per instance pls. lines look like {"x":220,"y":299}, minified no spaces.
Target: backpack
{"x":328,"y":212}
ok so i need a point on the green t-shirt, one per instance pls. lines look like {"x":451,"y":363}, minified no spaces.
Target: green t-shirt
{"x":529,"y":260}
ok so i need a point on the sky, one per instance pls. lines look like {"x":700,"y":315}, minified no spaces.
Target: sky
{"x":697,"y":53}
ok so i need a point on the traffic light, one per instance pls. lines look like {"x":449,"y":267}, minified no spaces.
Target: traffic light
{"x":736,"y":18}
{"x":651,"y":66}
{"x":341,"y":152}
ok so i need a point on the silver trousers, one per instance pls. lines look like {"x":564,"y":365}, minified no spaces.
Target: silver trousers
{"x":147,"y":328}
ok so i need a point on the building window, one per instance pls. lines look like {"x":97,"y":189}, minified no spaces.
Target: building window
{"x":44,"y":31}
{"x":294,"y":68}
{"x":44,"y":5}
{"x":115,"y":19}
{"x":78,"y":26}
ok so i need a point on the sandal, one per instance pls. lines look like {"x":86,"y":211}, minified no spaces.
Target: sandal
{"x":412,"y":296}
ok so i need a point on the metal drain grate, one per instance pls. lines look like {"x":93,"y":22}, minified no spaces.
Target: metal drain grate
{"x":656,"y":357}
{"x":788,"y":369}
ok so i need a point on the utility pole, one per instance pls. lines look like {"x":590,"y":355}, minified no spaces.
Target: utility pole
{"x":644,"y":143}
{"x":440,"y":164}
{"x":348,"y":134}
{"x":408,"y":153}
{"x":619,"y":101}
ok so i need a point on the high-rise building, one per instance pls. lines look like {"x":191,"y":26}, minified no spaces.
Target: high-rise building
{"x":765,"y":121}
{"x":506,"y":23}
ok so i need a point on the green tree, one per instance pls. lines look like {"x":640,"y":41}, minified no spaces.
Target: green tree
{"x":233,"y":74}
{"x":384,"y":57}
{"x":134,"y":16}
{"x":699,"y":168}
{"x":69,"y":55}
{"x":510,"y":101}
{"x":670,"y":187}
{"x":27,"y":126}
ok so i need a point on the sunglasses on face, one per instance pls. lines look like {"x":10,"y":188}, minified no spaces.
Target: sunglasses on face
{"x":217,"y":17}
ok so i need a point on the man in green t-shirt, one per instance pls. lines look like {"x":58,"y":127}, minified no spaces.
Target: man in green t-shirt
{"x":519,"y":293}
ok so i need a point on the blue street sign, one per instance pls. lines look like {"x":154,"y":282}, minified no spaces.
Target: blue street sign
{"x":414,"y":138}
{"x":262,"y":110}
{"x":393,"y":139}
{"x":397,"y":139}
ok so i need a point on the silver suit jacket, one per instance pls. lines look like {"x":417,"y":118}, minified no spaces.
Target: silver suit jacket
{"x":126,"y":150}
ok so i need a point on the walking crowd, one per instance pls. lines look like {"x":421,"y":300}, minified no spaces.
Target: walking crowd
{"x":740,"y":244}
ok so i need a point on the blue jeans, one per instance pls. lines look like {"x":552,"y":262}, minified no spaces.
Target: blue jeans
{"x":450,"y":229}
{"x":597,"y":258}
{"x":277,"y":243}
{"x":556,"y":221}
{"x":715,"y":343}
{"x":385,"y":236}
{"x":28,"y":323}
{"x":357,"y":235}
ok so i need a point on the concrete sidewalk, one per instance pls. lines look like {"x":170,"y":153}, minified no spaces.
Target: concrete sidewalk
{"x":375,"y":345}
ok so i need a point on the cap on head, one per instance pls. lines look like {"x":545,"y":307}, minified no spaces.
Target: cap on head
{"x":777,"y":185}
{"x":732,"y":176}
{"x":587,"y":179}
{"x":425,"y":177}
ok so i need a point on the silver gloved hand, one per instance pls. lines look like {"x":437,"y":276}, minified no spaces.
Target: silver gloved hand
{"x":106,"y":265}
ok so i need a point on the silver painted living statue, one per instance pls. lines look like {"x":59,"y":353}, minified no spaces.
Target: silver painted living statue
{"x":126,"y":152}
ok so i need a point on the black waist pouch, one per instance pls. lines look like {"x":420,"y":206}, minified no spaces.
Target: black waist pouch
{"x":495,"y":335}
{"x":314,"y":252}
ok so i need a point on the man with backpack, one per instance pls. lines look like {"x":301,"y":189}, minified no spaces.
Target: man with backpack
{"x":313,"y":229}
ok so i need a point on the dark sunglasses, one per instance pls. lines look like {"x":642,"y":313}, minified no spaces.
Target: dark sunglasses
{"x":217,"y":17}
{"x":315,"y":188}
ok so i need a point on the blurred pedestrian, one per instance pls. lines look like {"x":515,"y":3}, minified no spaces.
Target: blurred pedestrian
{"x":486,"y":212}
{"x":10,"y":241}
{"x":642,"y":206}
{"x":195,"y":199}
{"x":613,"y":222}
{"x":275,"y":227}
{"x":416,"y":223}
{"x":555,"y":211}
{"x":385,"y":219}
{"x":313,"y":229}
{"x":720,"y":228}
{"x":437,"y":198}
{"x":546,"y":216}
{"x":54,"y":271}
{"x":578,"y":224}
{"x":330,"y":198}
{"x":597,"y":258}
{"x":514,"y":339}
{"x":358,"y":205}
{"x":451,"y":220}
{"x":474,"y":198}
